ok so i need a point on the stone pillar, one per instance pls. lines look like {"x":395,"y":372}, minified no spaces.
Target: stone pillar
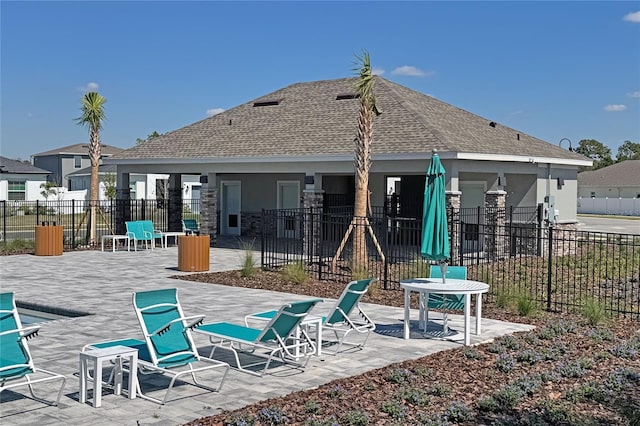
{"x":312,"y":202}
{"x":209,"y":206}
{"x":453,"y":213}
{"x":495,"y":230}
{"x":174,"y":213}
{"x":123,"y":203}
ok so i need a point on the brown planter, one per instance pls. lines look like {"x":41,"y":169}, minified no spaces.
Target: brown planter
{"x":193,"y":253}
{"x":49,"y":240}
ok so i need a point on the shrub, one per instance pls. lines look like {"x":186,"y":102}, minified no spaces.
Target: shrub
{"x":593,"y":311}
{"x":508,"y":396}
{"x":528,"y":356}
{"x":600,"y":334}
{"x":295,"y":272}
{"x":273,"y":416}
{"x":471,"y":353}
{"x":359,"y":272}
{"x":458,"y":412}
{"x":503,"y":299}
{"x":505,"y":363}
{"x":440,"y":390}
{"x":240,"y":420}
{"x":355,"y":418}
{"x":399,"y":376}
{"x":394,"y":409}
{"x":415,"y":396}
{"x":337,"y":392}
{"x":526,"y":306}
{"x":249,"y":264}
{"x":311,"y":406}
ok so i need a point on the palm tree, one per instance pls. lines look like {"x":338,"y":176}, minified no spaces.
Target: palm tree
{"x":92,"y":116}
{"x":360,"y":224}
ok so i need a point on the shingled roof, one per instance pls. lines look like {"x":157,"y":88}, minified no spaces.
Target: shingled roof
{"x":320,"y":118}
{"x":623,"y":174}
{"x":80,"y":149}
{"x":18,"y":167}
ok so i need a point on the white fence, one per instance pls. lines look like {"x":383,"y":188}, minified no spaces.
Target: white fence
{"x":612,"y":206}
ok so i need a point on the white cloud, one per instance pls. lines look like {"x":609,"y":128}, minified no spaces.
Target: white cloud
{"x":615,"y":108}
{"x":411,"y":71}
{"x":632,"y":17}
{"x":89,"y":87}
{"x":517,"y":112}
{"x":635,"y":94}
{"x":377,"y":71}
{"x":213,"y":111}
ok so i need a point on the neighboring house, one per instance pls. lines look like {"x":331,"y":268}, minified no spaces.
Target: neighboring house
{"x":68,"y":159}
{"x":614,"y":189}
{"x":141,"y":186}
{"x":619,"y":180}
{"x":20,"y":181}
{"x":295,"y":146}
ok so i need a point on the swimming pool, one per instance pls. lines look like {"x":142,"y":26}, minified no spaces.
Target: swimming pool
{"x":30,"y":316}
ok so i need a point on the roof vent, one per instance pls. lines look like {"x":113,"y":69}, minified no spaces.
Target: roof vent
{"x":492,"y":124}
{"x":347,"y":96}
{"x":267,"y":103}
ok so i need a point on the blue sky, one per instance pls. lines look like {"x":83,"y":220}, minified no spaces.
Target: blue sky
{"x":550,"y":69}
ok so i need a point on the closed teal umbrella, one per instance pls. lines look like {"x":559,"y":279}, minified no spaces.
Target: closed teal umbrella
{"x":435,"y":232}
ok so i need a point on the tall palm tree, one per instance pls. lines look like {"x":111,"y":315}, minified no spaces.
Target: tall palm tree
{"x":92,"y":116}
{"x":364,"y":88}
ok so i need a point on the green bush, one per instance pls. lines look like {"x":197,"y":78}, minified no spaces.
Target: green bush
{"x":249,"y":264}
{"x":295,"y":272}
{"x":526,"y":305}
{"x":593,"y":311}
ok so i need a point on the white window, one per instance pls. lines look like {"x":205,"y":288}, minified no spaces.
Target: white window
{"x":17,"y":190}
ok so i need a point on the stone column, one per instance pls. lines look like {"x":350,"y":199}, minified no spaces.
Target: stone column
{"x":209,"y":206}
{"x":123,"y":203}
{"x":495,"y":231}
{"x":174,"y":213}
{"x":453,"y":213}
{"x":312,"y":202}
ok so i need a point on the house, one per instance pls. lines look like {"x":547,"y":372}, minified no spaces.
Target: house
{"x":141,"y":186}
{"x":65,"y":160}
{"x":20,"y":181}
{"x":295,"y":146}
{"x":614,"y":189}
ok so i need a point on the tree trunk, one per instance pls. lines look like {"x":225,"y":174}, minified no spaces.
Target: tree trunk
{"x":363,"y":164}
{"x":94,"y":156}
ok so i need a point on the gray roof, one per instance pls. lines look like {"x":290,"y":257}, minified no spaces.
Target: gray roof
{"x":102,"y":168}
{"x":80,"y":149}
{"x":309,"y":120}
{"x":625,"y":173}
{"x":19,"y":167}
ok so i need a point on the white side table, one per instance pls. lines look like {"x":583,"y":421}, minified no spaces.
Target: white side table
{"x":114,"y":239}
{"x":98,"y":356}
{"x":174,"y":234}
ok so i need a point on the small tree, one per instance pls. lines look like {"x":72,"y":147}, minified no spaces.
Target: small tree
{"x":110,"y":185}
{"x":628,"y":151}
{"x":49,"y":189}
{"x":600,"y":154}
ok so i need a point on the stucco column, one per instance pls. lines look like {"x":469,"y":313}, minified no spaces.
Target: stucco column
{"x":174,"y":214}
{"x":495,"y":235}
{"x":453,"y":212}
{"x":209,"y":206}
{"x":123,"y":203}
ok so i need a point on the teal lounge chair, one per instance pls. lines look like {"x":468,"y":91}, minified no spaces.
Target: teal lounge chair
{"x":444,"y":301}
{"x":277,"y":338}
{"x":136,"y":233}
{"x":168,"y":346}
{"x":16,"y":365}
{"x":342,"y":318}
{"x":190,"y":226}
{"x":151,"y":232}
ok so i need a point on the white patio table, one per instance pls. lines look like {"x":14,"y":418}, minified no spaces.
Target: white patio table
{"x":452,"y":286}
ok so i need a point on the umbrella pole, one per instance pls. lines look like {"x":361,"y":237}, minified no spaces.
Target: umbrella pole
{"x":443,"y":271}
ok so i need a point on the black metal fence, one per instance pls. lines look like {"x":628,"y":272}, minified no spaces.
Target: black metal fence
{"x":18,"y":219}
{"x":519,"y":255}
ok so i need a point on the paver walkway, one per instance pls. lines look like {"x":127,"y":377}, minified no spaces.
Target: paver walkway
{"x":101,"y":283}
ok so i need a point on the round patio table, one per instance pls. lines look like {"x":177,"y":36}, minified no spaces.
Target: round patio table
{"x":451,"y":286}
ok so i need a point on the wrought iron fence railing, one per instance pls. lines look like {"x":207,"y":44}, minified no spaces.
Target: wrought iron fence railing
{"x":18,"y":219}
{"x":557,"y":268}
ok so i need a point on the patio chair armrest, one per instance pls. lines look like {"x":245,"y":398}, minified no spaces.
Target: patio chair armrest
{"x":25,"y":332}
{"x":191,"y":322}
{"x":147,"y":235}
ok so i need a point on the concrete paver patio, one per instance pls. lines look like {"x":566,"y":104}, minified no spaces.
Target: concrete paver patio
{"x":101,"y":283}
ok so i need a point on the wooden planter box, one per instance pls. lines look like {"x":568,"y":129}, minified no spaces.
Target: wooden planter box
{"x":49,"y":240}
{"x":193,"y":253}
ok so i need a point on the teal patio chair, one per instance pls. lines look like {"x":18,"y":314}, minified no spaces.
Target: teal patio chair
{"x":168,"y":346}
{"x":136,"y":233}
{"x":277,"y":338}
{"x":445,"y":302}
{"x":190,"y":226}
{"x":342,"y":318}
{"x":151,"y":232}
{"x":16,"y":365}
